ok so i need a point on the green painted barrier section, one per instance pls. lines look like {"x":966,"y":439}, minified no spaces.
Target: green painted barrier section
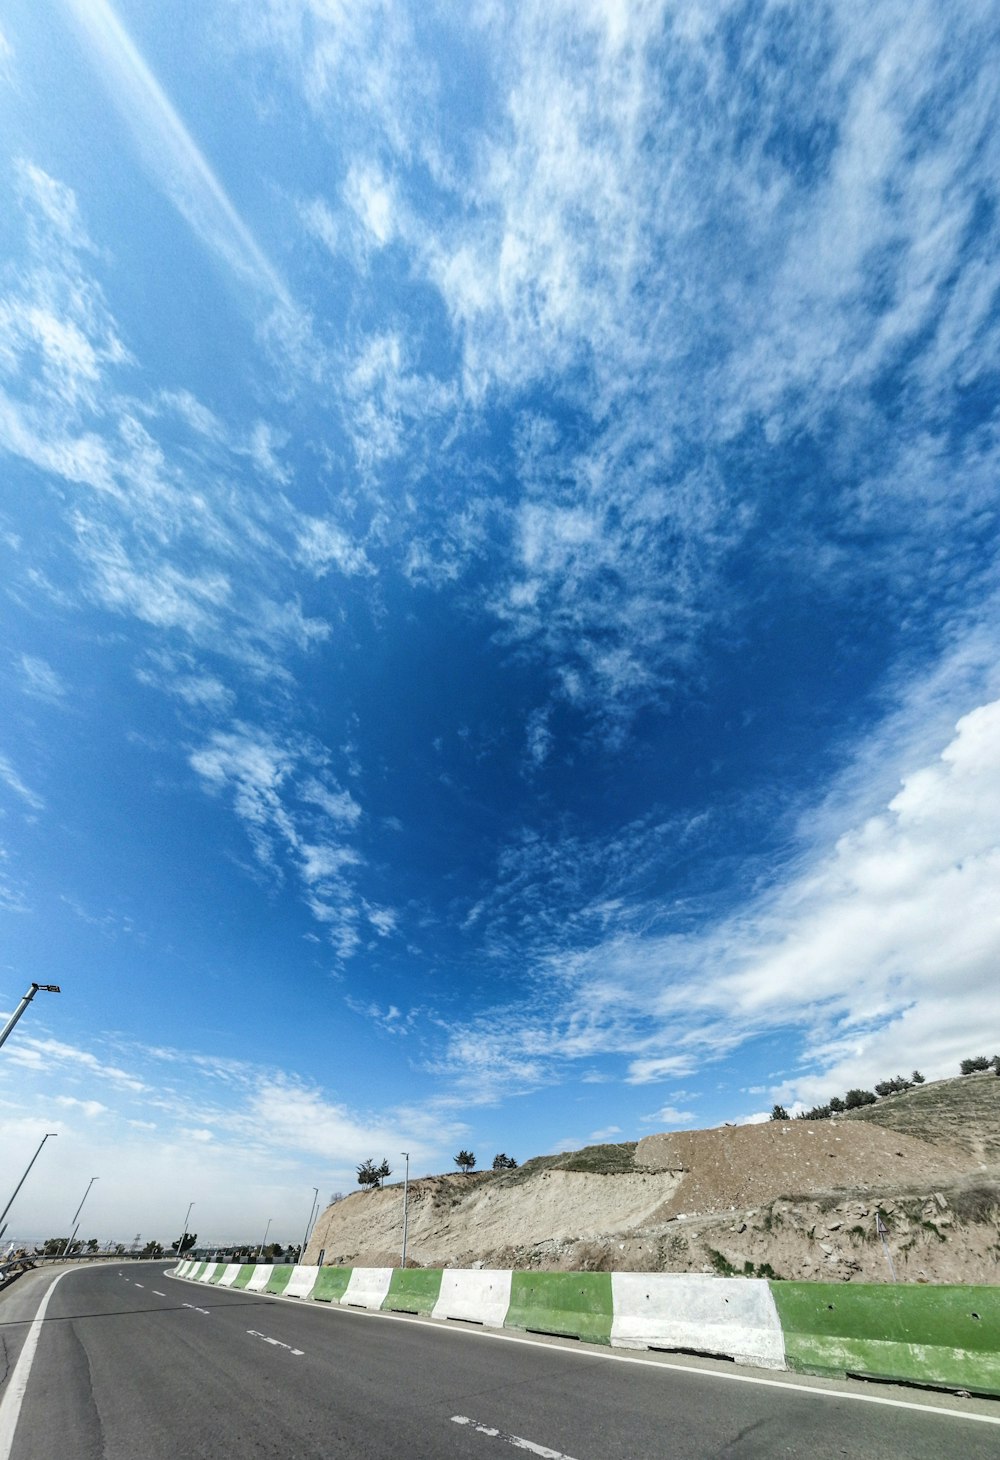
{"x":198,"y":1272}
{"x":244,"y":1275}
{"x":331,"y":1284}
{"x":213,"y":1272}
{"x":413,"y":1290}
{"x":947,"y":1337}
{"x":278,"y":1281}
{"x":578,"y":1304}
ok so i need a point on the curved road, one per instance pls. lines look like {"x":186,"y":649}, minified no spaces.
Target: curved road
{"x":130,"y":1364}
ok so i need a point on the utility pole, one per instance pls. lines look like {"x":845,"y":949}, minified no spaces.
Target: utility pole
{"x":267,"y":1229}
{"x":305,"y":1239}
{"x":69,"y":1240}
{"x":36,"y":988}
{"x":31,"y":1163}
{"x":184,"y":1233}
{"x":406,"y":1193}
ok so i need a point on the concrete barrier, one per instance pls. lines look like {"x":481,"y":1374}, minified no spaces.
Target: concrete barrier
{"x":413,"y":1290}
{"x":331,"y":1284}
{"x":257,"y":1281}
{"x":940,"y":1336}
{"x":367,"y":1288}
{"x":944,"y":1336}
{"x":735,"y":1317}
{"x":480,"y":1296}
{"x":574,"y":1304}
{"x":279,"y":1279}
{"x":302,"y":1281}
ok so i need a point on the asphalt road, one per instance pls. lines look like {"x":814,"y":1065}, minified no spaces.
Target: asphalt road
{"x":130,"y":1364}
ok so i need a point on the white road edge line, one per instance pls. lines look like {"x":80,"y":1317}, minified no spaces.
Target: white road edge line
{"x":614,"y":1357}
{"x":10,"y":1405}
{"x":515,"y":1440}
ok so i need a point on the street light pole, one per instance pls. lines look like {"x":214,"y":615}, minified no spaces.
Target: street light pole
{"x":267,"y":1229}
{"x":309,"y":1222}
{"x":184,"y":1232}
{"x":24,"y":1178}
{"x":36,"y":988}
{"x":406,"y":1193}
{"x":76,"y":1215}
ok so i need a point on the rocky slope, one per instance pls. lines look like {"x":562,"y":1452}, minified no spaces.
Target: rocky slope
{"x":792,"y":1198}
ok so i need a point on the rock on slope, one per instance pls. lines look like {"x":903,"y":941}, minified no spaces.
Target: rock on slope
{"x":793,"y":1198}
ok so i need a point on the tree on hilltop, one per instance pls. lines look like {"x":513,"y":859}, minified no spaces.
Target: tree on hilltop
{"x":466,"y":1160}
{"x":503,"y":1162}
{"x":383,"y":1171}
{"x":778,"y":1112}
{"x":368,"y":1174}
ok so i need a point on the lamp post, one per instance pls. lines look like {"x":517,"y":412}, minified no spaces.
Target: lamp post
{"x":406,"y":1193}
{"x":184,"y":1232}
{"x":36,"y":988}
{"x":267,"y":1229}
{"x":24,"y":1178}
{"x":76,"y":1215}
{"x":309,"y":1222}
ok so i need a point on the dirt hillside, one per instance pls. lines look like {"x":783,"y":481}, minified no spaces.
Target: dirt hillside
{"x":791,"y":1198}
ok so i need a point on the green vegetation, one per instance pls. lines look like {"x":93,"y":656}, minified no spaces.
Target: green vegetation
{"x":778,"y":1112}
{"x":466,"y":1160}
{"x":503,"y":1162}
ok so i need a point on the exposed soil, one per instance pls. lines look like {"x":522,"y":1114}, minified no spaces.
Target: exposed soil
{"x":795,"y":1199}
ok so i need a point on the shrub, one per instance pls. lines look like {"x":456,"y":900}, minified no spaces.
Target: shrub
{"x":503,"y":1162}
{"x":917,"y":1077}
{"x":778,"y":1112}
{"x":972,"y":1066}
{"x":837,"y":1104}
{"x":818,"y":1112}
{"x":894,"y":1086}
{"x":854,"y":1099}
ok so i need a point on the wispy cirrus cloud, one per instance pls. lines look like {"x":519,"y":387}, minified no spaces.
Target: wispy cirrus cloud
{"x":170,"y":151}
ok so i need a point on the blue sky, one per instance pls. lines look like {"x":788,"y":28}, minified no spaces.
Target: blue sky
{"x":499,"y":580}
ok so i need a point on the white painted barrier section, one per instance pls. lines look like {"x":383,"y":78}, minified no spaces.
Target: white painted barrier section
{"x":229,"y":1276}
{"x":212,"y":1270}
{"x":367,"y":1287}
{"x":732,"y":1316}
{"x":301,"y":1282}
{"x":259,"y":1277}
{"x":183,"y":1268}
{"x":479,"y":1296}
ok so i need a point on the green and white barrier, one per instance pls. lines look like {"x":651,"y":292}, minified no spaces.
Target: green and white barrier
{"x":944,"y":1336}
{"x":733,"y":1317}
{"x":939,"y":1336}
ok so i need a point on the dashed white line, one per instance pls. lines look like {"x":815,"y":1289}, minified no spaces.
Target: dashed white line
{"x":158,"y":1294}
{"x":276,"y":1342}
{"x":195,"y":1309}
{"x":516,"y":1440}
{"x":140,"y":1285}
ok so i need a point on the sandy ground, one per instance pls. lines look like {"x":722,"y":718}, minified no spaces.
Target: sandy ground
{"x":797,"y":1199}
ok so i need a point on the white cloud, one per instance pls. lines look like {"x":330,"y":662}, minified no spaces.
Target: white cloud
{"x":170,"y":151}
{"x":10,"y":778}
{"x":40,"y":680}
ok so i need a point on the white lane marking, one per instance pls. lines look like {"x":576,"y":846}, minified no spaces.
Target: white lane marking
{"x":10,"y":1405}
{"x":158,"y":1294}
{"x":140,"y":1285}
{"x":515,"y":1440}
{"x":275,"y":1341}
{"x":194,"y":1309}
{"x":574,"y":1351}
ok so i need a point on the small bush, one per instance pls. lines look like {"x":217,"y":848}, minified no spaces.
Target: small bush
{"x":778,"y":1112}
{"x":974,"y":1065}
{"x":854,"y":1099}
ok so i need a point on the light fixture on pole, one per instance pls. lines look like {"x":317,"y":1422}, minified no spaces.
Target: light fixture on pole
{"x":406,"y":1193}
{"x":267,"y":1229}
{"x":76,"y":1217}
{"x":184,"y":1231}
{"x":312,"y":1209}
{"x":36,"y":988}
{"x":24,"y":1178}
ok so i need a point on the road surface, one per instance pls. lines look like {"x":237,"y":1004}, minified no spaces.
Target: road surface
{"x":130,"y":1364}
